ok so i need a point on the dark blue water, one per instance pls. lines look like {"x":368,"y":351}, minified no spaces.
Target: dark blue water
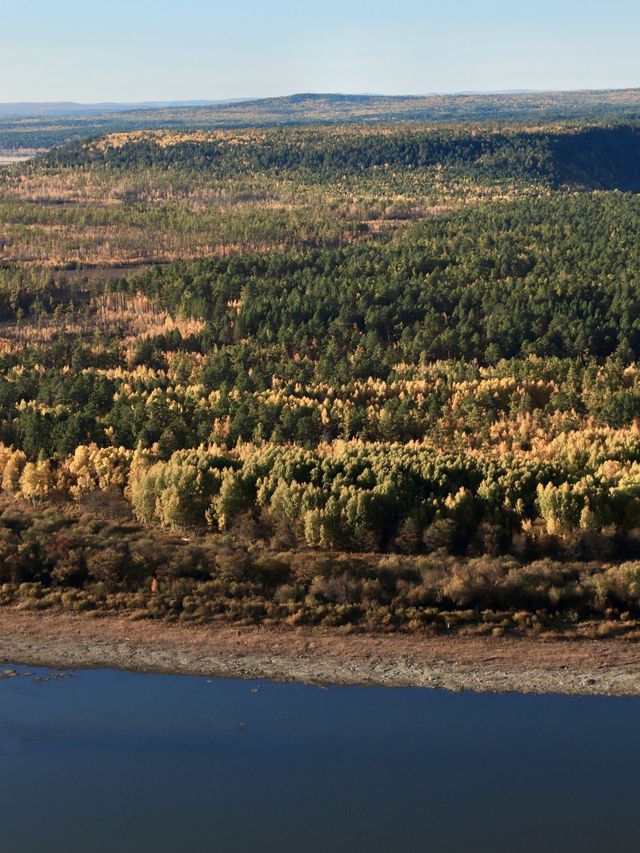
{"x":108,"y":761}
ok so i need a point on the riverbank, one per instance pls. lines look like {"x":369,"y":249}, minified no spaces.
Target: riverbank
{"x":322,"y":656}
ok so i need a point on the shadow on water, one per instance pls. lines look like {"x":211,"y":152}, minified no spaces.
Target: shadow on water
{"x":109,"y":761}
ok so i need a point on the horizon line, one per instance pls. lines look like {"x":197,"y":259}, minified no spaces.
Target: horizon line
{"x":243,"y":99}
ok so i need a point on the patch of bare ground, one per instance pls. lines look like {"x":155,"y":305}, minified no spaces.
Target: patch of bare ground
{"x":322,"y":656}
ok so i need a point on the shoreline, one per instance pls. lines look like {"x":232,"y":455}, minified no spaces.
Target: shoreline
{"x":321,"y":656}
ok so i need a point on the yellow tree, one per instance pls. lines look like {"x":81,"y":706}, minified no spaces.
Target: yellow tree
{"x":12,"y":472}
{"x":36,"y":480}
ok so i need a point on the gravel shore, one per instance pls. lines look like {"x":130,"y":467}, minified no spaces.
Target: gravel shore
{"x":322,"y":656}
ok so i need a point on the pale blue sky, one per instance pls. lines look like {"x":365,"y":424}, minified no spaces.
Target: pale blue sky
{"x":131,"y":50}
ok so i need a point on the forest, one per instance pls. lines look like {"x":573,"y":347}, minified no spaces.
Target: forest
{"x":384,"y":376}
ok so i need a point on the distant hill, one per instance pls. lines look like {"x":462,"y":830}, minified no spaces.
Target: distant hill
{"x":81,"y":122}
{"x":589,"y":155}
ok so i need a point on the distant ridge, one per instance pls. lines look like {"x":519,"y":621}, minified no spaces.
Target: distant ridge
{"x":35,"y":109}
{"x":42,"y":126}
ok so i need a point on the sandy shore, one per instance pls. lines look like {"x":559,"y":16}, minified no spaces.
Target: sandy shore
{"x":322,"y":656}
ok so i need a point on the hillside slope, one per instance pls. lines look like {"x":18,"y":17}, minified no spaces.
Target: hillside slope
{"x":605,"y":156}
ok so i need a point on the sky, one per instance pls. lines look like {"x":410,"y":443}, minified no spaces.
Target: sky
{"x":140,"y":50}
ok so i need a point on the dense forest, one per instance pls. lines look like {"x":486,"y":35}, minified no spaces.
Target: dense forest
{"x":386,"y":376}
{"x":597,"y":157}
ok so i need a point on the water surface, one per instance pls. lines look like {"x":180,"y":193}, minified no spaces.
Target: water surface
{"x":109,"y":761}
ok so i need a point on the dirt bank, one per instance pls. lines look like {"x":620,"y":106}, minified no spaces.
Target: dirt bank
{"x":322,"y":656}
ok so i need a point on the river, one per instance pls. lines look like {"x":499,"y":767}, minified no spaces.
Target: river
{"x":111,"y":761}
